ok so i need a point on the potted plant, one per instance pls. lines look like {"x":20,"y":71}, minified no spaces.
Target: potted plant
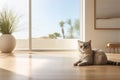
{"x":8,"y":24}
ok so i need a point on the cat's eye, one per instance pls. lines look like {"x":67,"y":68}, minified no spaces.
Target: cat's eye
{"x":85,"y":46}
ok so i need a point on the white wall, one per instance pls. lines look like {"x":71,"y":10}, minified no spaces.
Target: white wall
{"x":99,"y":37}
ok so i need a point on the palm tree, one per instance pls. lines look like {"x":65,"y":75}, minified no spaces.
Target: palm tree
{"x":77,"y":24}
{"x":77,"y":27}
{"x":61,"y":23}
{"x":71,"y":28}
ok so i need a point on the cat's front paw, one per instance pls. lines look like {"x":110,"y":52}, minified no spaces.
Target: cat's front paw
{"x":75,"y":64}
{"x":83,"y":64}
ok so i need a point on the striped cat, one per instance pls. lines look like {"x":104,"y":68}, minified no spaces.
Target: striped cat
{"x":92,"y":57}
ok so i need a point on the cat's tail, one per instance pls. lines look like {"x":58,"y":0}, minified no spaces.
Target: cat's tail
{"x":113,"y":63}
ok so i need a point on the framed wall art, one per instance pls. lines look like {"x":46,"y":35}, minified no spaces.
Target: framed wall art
{"x":107,"y":14}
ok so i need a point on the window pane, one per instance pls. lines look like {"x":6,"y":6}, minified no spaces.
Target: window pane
{"x":54,"y":19}
{"x":20,"y":7}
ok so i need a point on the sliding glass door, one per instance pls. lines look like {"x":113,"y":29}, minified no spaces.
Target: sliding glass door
{"x":46,"y":24}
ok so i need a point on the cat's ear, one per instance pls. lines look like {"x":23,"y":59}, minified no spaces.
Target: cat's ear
{"x":89,"y":41}
{"x":79,"y":41}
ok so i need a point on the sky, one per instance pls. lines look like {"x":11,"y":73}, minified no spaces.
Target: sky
{"x":46,"y":15}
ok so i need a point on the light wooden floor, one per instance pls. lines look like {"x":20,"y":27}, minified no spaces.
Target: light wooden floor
{"x":53,"y":66}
